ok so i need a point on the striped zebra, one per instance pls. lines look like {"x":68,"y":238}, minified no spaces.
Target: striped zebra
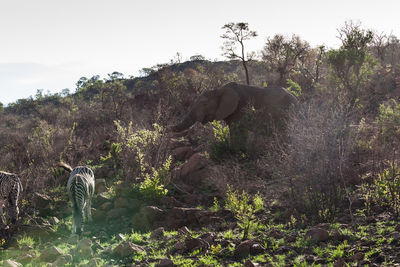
{"x":80,"y":188}
{"x":10,"y":189}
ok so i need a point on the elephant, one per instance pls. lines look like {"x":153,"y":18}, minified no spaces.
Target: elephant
{"x":231,"y":102}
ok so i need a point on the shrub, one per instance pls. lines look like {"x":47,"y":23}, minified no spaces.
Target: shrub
{"x":385,"y":189}
{"x":244,"y":207}
{"x":320,"y":142}
{"x":152,"y":187}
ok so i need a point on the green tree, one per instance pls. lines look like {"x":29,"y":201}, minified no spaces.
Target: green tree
{"x":283,"y":54}
{"x":237,"y":33}
{"x":352,"y":65}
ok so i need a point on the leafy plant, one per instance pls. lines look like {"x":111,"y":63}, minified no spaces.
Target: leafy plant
{"x":244,"y":207}
{"x":153,"y":187}
{"x":385,"y":190}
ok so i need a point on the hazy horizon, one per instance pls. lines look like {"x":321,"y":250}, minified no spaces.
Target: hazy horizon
{"x":49,"y":45}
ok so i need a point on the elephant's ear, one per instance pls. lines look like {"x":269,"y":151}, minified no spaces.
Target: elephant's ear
{"x":228,"y":103}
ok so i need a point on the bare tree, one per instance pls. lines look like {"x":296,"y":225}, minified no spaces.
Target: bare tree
{"x":237,"y":33}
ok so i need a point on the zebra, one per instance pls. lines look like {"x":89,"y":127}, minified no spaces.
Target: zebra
{"x":80,"y":188}
{"x":10,"y":189}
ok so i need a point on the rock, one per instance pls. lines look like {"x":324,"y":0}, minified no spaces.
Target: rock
{"x":39,"y":232}
{"x":83,"y":244}
{"x":195,"y":243}
{"x":98,"y":215}
{"x":359,"y":256}
{"x":157,"y":233}
{"x":116,"y":214}
{"x":54,"y":220}
{"x":248,"y":247}
{"x":152,"y":213}
{"x":195,"y":162}
{"x":179,"y":217}
{"x":165,"y":263}
{"x":26,"y":257}
{"x":11,"y":263}
{"x":100,"y":186}
{"x":339,"y":263}
{"x":62,"y":260}
{"x":179,"y":247}
{"x":101,"y":198}
{"x":175,"y":143}
{"x":106,"y":206}
{"x":121,"y":202}
{"x":125,"y":249}
{"x":170,"y":202}
{"x":184,"y":230}
{"x":249,"y":263}
{"x":42,"y":203}
{"x":275,"y":233}
{"x":94,"y":262}
{"x":317,"y":234}
{"x":182,"y":153}
{"x":73,"y":239}
{"x":50,"y":254}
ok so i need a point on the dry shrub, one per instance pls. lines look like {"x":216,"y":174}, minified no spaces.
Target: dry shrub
{"x":311,"y":164}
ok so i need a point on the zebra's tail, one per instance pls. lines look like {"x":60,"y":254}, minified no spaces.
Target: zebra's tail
{"x":65,"y":166}
{"x":20,"y":185}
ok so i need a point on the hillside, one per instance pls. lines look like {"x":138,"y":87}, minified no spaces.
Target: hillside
{"x":322,"y":191}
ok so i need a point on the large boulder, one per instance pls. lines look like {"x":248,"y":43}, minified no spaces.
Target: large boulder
{"x":195,"y":163}
{"x":98,"y":215}
{"x":178,"y":217}
{"x":317,"y":234}
{"x":248,"y":247}
{"x":84,"y":248}
{"x":116,"y":214}
{"x":121,"y":202}
{"x":39,"y":232}
{"x":182,"y":153}
{"x":50,"y":254}
{"x":148,"y":217}
{"x":126,"y":249}
{"x":165,"y":263}
{"x":62,"y":260}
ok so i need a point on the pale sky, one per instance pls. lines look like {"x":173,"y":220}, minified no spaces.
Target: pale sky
{"x":50,"y":44}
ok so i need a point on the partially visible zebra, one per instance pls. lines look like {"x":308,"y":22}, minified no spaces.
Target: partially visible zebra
{"x":10,"y":189}
{"x":80,"y":188}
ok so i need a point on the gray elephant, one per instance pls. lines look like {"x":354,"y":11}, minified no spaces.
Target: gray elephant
{"x":232,"y":101}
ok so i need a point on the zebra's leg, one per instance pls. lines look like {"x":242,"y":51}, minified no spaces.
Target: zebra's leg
{"x":73,"y":219}
{"x":2,"y":218}
{"x":89,"y":209}
{"x":13,"y":210}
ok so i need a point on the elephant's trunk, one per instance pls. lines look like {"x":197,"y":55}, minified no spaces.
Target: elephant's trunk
{"x":188,"y":121}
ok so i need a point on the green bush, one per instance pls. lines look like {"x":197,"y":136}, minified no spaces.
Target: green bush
{"x":388,"y":121}
{"x":385,"y":190}
{"x":152,"y":188}
{"x":244,"y":206}
{"x":220,"y":146}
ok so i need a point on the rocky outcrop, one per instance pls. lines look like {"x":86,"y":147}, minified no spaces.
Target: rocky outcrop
{"x":50,"y":254}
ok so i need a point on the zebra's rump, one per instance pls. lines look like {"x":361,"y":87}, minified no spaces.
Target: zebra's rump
{"x":9,"y":184}
{"x":80,"y":184}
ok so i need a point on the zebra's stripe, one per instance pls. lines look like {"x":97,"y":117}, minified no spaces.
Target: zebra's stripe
{"x":10,"y":189}
{"x":81,"y":188}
